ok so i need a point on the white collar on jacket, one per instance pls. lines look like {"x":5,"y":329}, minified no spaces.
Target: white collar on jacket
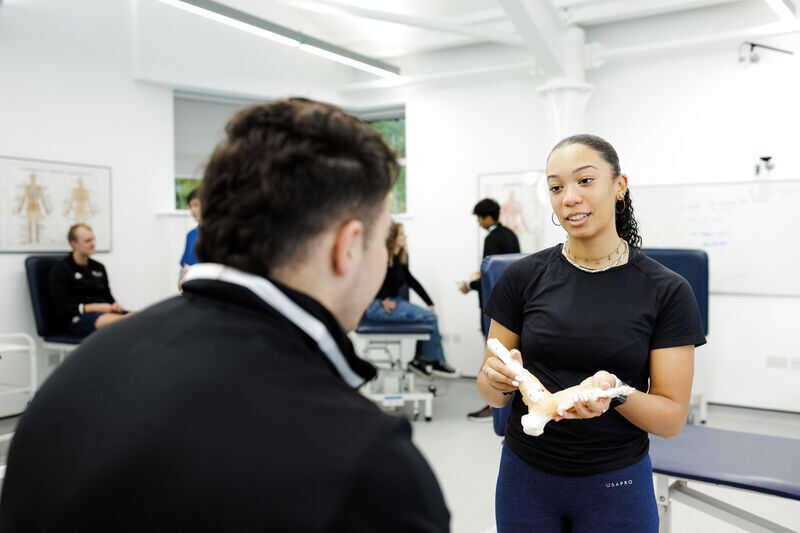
{"x":273,"y":296}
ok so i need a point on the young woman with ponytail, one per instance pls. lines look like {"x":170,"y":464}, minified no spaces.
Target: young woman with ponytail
{"x":593,"y":309}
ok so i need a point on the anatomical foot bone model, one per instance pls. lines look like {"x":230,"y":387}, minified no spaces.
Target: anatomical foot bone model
{"x":543,"y":406}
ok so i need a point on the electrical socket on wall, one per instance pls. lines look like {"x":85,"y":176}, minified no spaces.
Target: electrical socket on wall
{"x":454,"y":338}
{"x":777,"y":361}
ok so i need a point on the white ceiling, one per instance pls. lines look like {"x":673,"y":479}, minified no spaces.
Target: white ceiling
{"x":432,"y":40}
{"x":395,"y":28}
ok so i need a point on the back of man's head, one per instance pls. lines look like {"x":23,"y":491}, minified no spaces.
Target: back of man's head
{"x":487,"y":208}
{"x":286,"y":172}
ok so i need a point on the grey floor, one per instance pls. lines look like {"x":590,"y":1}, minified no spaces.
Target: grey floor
{"x":465,"y":457}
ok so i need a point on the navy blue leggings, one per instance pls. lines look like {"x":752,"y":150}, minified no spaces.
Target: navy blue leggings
{"x":528,"y":500}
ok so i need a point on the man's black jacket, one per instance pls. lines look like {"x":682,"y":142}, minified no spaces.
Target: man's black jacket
{"x":211,"y":411}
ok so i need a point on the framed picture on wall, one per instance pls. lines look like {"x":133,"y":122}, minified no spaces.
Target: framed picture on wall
{"x":42,"y":199}
{"x":523,"y":206}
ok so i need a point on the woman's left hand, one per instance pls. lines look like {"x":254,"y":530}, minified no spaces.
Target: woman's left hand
{"x":593,"y":408}
{"x":432,"y":309}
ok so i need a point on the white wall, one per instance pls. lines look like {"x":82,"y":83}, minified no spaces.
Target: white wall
{"x":66,"y":95}
{"x":701,"y":116}
{"x":453,"y":134}
{"x":690,"y":116}
{"x":69,"y":92}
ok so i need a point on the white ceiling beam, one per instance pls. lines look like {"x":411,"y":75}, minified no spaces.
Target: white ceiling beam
{"x":334,"y":7}
{"x":528,"y":67}
{"x":570,"y":3}
{"x":542,"y":30}
{"x":616,"y":10}
{"x":480,"y":16}
{"x":786,"y":10}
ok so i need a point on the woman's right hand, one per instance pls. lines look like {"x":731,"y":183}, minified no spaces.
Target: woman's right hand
{"x":388,"y":304}
{"x":499,"y":376}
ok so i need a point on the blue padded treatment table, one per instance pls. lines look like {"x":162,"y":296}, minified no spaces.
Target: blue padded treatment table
{"x":370,"y":326}
{"x":492,"y":267}
{"x":691,"y":264}
{"x":399,"y":338}
{"x":760,"y":463}
{"x":743,"y":460}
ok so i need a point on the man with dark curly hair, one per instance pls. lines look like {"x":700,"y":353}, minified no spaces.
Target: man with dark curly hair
{"x":234,"y":407}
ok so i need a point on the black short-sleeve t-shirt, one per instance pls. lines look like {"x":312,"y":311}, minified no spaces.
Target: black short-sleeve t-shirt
{"x":573,"y":323}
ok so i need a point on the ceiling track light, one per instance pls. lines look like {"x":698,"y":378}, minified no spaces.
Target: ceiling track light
{"x":747,"y":51}
{"x":280,"y":34}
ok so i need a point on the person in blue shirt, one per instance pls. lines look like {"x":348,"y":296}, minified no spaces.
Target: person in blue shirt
{"x":189,"y":258}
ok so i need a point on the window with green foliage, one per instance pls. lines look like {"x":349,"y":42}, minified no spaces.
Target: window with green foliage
{"x":183,"y":186}
{"x":394,"y":133}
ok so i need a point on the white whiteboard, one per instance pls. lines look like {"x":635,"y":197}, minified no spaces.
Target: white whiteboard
{"x":749,"y":230}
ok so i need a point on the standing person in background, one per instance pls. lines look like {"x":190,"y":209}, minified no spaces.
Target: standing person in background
{"x":499,"y":240}
{"x":189,"y":258}
{"x":388,"y":306}
{"x":594,"y":311}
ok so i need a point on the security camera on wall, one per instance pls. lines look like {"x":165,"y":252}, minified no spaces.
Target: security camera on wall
{"x":748,"y":53}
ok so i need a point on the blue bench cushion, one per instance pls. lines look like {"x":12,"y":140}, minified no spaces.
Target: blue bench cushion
{"x":369,"y":326}
{"x":64,"y":339}
{"x":744,"y":460}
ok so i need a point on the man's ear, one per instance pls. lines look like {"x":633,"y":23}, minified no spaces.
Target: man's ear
{"x":348,"y":247}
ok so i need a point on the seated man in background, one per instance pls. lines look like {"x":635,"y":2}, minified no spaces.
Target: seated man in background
{"x":235,"y":406}
{"x":80,"y":296}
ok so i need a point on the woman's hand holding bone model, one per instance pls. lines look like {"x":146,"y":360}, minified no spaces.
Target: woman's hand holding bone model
{"x":505,"y":378}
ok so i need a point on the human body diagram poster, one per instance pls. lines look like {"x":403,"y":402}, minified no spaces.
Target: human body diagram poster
{"x":40,"y":200}
{"x":523,"y":203}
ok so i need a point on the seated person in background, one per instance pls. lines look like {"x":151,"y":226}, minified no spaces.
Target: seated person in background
{"x":292,"y":249}
{"x":388,"y":307}
{"x":79,"y":290}
{"x":189,"y":258}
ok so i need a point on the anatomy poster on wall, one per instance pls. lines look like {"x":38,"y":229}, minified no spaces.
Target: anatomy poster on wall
{"x":522,"y":199}
{"x":40,"y":200}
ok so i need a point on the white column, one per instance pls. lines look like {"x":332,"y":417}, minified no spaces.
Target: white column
{"x":566,"y":98}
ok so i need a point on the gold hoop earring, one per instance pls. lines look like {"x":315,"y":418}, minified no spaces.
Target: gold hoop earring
{"x":553,"y":220}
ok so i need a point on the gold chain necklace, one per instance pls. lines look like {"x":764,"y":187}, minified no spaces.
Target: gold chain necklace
{"x":620,"y":255}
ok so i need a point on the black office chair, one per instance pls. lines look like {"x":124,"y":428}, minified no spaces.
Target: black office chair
{"x":37,"y":269}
